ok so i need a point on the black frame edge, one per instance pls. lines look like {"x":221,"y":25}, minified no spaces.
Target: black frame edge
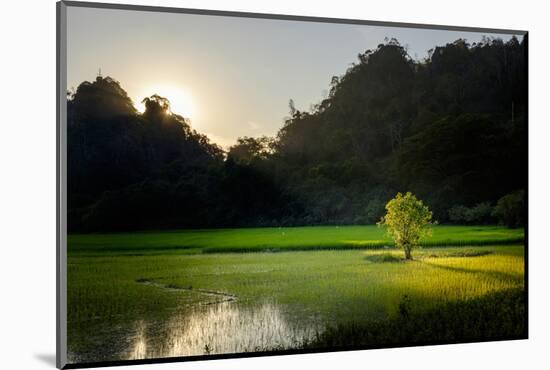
{"x":61,"y":212}
{"x":226,"y":13}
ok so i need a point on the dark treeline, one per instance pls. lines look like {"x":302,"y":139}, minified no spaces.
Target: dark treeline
{"x":452,"y":129}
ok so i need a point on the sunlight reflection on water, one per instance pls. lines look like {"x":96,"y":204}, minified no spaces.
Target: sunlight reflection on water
{"x":221,"y":328}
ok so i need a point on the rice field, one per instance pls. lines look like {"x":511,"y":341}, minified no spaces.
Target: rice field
{"x":279,"y":239}
{"x":130,"y":298}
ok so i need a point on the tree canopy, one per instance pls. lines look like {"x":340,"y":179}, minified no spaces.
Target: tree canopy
{"x":408,"y":221}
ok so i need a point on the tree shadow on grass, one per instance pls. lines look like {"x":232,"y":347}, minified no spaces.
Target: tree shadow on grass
{"x":383,"y":258}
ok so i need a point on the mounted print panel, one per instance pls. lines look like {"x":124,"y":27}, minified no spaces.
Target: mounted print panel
{"x":235,"y":184}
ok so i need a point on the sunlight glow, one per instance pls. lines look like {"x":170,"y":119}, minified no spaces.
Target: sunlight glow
{"x":181,"y":101}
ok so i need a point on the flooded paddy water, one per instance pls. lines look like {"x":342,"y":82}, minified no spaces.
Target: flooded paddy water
{"x":216,"y":328}
{"x":219,"y":328}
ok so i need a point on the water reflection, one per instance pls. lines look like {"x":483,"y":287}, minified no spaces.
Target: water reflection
{"x":220,"y":328}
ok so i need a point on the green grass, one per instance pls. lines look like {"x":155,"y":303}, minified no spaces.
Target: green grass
{"x":332,"y":287}
{"x":116,"y":280}
{"x":109,"y":286}
{"x":277,"y":239}
{"x":495,"y":316}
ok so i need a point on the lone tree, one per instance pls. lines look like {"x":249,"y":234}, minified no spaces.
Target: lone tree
{"x":408,"y":221}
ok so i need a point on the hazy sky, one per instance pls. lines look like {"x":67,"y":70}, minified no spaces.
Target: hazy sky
{"x":231,"y":76}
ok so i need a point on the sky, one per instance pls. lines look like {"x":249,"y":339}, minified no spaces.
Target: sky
{"x":230,"y":76}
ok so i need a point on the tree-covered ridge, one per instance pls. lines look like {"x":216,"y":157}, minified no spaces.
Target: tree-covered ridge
{"x":452,"y":129}
{"x":113,"y":149}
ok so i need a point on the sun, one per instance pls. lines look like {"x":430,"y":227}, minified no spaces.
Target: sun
{"x":181,"y":101}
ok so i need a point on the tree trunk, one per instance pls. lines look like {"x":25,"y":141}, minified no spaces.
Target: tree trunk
{"x":408,"y":253}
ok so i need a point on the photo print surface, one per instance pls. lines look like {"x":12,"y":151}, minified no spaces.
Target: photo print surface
{"x":239,"y":185}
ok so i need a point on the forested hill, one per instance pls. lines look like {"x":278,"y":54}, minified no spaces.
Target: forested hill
{"x":123,"y":166}
{"x":452,"y":129}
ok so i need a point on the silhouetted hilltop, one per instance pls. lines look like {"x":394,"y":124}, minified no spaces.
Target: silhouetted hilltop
{"x":452,"y":129}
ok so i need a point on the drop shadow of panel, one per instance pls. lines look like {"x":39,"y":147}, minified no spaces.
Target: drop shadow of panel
{"x":499,"y":275}
{"x":47,"y":358}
